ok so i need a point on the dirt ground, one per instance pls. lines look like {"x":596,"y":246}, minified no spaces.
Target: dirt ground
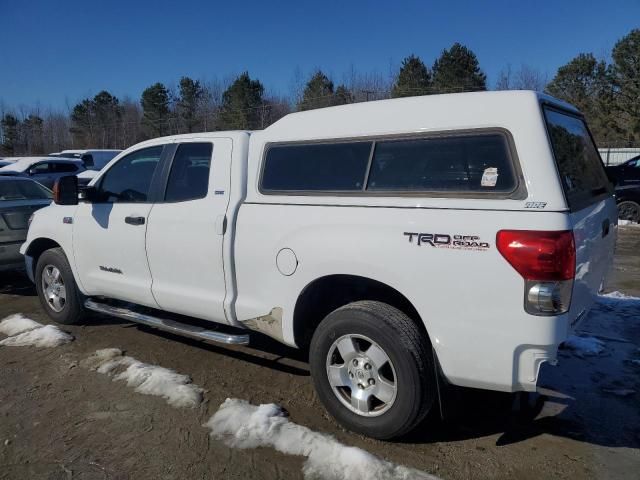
{"x":59,"y":420}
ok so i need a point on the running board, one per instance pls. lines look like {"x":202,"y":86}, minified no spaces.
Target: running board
{"x":167,"y":325}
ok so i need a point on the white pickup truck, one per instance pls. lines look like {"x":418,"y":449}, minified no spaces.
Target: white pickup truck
{"x":405,"y":243}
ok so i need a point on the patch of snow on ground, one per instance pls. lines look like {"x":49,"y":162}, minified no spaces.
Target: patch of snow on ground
{"x":618,"y":296}
{"x":16,"y":324}
{"x":583,"y":346}
{"x":48,"y":336}
{"x":627,"y":223}
{"x":243,"y":425}
{"x":147,"y":379}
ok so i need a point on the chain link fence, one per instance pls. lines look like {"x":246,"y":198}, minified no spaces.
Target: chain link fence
{"x":616,"y":156}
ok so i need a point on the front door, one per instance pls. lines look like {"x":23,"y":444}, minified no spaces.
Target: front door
{"x":186,"y":230}
{"x":109,"y":233}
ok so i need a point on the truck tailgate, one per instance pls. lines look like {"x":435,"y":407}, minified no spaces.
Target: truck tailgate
{"x":594,"y":229}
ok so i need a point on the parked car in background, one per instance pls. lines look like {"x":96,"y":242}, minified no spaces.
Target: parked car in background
{"x":627,"y":173}
{"x":628,"y":200}
{"x":45,"y":170}
{"x":4,"y":161}
{"x":626,"y":178}
{"x":94,"y":160}
{"x":19,"y":198}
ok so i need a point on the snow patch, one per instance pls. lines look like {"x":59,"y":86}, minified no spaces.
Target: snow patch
{"x":16,"y":324}
{"x":627,"y":223}
{"x":147,"y":379}
{"x":618,"y":296}
{"x":584,"y":346}
{"x":48,"y":336}
{"x":243,"y":425}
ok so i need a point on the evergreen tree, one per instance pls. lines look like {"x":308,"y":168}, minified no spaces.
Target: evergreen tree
{"x":318,"y":92}
{"x":413,"y":79}
{"x":342,"y":96}
{"x":191,"y":94}
{"x":155,"y":110}
{"x":626,"y":71}
{"x":576,"y":81}
{"x":458,"y":70}
{"x":95,"y":121}
{"x":242,"y":106}
{"x":10,"y":133}
{"x":588,"y":84}
{"x":82,"y":122}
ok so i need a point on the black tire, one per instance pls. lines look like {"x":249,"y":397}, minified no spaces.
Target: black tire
{"x":73,"y":308}
{"x":408,"y":350}
{"x":629,"y":210}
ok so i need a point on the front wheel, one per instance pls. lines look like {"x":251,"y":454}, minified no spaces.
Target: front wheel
{"x":57,"y":289}
{"x":373,"y":369}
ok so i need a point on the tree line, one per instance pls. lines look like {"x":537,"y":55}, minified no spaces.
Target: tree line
{"x":607,"y":92}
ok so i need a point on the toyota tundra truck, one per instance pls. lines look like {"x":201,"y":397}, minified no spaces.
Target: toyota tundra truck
{"x":404,"y":244}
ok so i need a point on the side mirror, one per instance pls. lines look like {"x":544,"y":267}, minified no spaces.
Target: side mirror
{"x":65,"y":190}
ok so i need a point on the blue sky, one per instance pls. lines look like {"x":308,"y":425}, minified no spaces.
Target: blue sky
{"x":57,"y":52}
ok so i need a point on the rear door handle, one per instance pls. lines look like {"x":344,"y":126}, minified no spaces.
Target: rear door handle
{"x":134,"y":220}
{"x":605,"y":227}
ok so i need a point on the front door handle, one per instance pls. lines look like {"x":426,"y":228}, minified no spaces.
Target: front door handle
{"x":134,"y":220}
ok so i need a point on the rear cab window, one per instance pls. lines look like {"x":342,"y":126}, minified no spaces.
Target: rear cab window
{"x":471,"y":164}
{"x":581,"y":171}
{"x":474,"y":163}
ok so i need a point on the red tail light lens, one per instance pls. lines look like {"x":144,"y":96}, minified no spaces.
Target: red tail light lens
{"x":539,"y":255}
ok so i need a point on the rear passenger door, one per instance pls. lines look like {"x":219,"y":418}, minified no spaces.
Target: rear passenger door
{"x":187,"y":227}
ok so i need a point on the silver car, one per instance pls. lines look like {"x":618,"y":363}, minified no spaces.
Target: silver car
{"x":19,"y":198}
{"x":44,"y":170}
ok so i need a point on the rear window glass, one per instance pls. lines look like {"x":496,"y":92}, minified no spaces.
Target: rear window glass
{"x":189,"y":176}
{"x":579,"y":165}
{"x":316,"y":167}
{"x":470,"y":163}
{"x":22,"y":190}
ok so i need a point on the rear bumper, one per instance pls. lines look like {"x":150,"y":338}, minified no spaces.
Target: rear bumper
{"x":507,"y":360}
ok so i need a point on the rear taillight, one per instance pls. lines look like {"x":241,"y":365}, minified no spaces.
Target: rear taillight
{"x":547,"y":262}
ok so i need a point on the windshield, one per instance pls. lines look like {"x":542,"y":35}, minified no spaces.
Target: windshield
{"x":23,"y":190}
{"x":583,"y":176}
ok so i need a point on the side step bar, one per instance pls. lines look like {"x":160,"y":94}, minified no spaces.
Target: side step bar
{"x":167,"y":325}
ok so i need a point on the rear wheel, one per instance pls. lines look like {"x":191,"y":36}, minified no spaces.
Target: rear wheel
{"x":373,"y":369}
{"x":629,"y":210}
{"x":57,"y":289}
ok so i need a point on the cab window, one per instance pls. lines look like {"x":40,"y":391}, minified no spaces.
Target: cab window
{"x":189,"y":176}
{"x":129,"y":180}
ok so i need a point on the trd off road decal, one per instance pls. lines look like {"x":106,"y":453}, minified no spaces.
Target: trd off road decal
{"x":445,"y":240}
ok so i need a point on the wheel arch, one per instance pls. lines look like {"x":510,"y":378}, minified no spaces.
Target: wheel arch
{"x":36,"y":248}
{"x":327,"y":293}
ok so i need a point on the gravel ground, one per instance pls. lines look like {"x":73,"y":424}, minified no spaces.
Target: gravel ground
{"x":60,"y":420}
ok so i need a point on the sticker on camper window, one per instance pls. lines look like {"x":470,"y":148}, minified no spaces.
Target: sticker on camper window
{"x":489,"y":177}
